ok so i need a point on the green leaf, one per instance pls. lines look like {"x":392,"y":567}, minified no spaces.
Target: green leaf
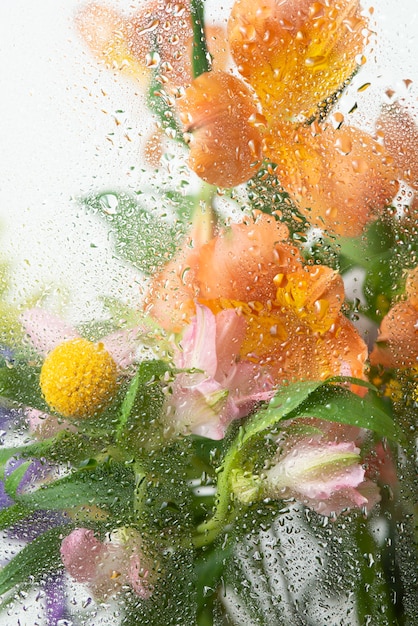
{"x":21,"y":384}
{"x":336,"y":404}
{"x":128,"y":404}
{"x":141,"y":408}
{"x":52,"y":448}
{"x":13,"y":514}
{"x":12,"y":482}
{"x":111,"y":488}
{"x":35,"y":560}
{"x":143,"y":238}
{"x":286,"y":400}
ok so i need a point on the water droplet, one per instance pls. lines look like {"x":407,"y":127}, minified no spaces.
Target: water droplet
{"x":152,"y":59}
{"x":344,"y":145}
{"x":109,"y":203}
{"x":150,"y":28}
{"x":360,"y":166}
{"x":315,"y":61}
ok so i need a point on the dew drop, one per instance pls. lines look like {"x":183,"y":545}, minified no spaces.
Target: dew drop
{"x":152,"y":59}
{"x":344,"y":145}
{"x":109,"y":203}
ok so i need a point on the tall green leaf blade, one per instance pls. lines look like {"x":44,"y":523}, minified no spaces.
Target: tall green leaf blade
{"x":111,"y":487}
{"x":13,"y":514}
{"x":35,"y":560}
{"x":12,"y":482}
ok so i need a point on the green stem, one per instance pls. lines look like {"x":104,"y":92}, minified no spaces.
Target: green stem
{"x":200,"y":56}
{"x":140,"y":488}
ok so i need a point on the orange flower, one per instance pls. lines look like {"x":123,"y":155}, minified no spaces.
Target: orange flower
{"x":160,"y":36}
{"x":293,"y":54}
{"x":229,"y":265}
{"x":297,"y":52}
{"x":294,"y":324}
{"x":220,"y":112}
{"x":397,"y":342}
{"x":400,"y":137}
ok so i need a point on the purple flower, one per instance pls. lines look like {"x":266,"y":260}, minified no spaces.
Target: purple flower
{"x":218,"y":387}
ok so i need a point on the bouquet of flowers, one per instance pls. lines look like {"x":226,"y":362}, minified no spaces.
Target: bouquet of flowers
{"x":241,"y":448}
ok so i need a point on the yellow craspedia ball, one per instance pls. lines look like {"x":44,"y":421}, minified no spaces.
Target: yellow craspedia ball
{"x":78,"y":378}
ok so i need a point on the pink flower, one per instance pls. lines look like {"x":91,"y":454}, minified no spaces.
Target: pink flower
{"x":218,"y":387}
{"x":43,"y":425}
{"x":46,"y":331}
{"x":325,"y":475}
{"x":107,"y":565}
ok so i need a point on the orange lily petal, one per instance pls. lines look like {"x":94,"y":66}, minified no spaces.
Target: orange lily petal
{"x":239,"y":263}
{"x":242,"y":261}
{"x":400,"y":136}
{"x":220,"y":113}
{"x":295,"y":53}
{"x":339,"y":178}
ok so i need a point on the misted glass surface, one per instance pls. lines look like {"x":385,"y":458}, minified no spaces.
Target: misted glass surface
{"x":209,"y":313}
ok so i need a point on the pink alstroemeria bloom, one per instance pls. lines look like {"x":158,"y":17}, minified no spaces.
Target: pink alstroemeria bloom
{"x":105,"y":566}
{"x":218,"y":387}
{"x":327,"y":476}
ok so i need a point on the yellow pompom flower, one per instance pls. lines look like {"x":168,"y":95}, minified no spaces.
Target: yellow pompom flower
{"x":78,"y":378}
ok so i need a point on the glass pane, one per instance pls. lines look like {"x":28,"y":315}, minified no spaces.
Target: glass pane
{"x":209,"y":313}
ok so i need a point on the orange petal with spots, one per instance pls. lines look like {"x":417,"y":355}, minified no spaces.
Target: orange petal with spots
{"x":220,"y":113}
{"x":315,"y":294}
{"x":340,"y":179}
{"x":295,"y":53}
{"x":400,"y":137}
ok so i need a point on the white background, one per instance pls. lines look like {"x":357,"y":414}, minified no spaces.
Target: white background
{"x":59,"y":140}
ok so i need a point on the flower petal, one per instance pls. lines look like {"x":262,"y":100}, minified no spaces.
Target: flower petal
{"x":295,"y":53}
{"x":221,"y":114}
{"x":45,"y":330}
{"x":122,"y":346}
{"x":339,"y":178}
